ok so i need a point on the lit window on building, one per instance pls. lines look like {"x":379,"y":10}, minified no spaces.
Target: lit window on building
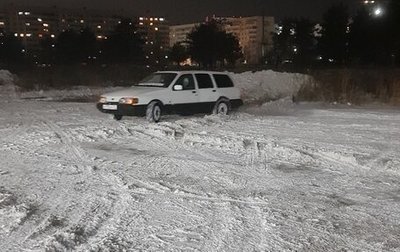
{"x":99,"y":27}
{"x":52,"y":35}
{"x":141,"y":18}
{"x":156,"y":28}
{"x":161,"y":19}
{"x":46,"y":25}
{"x":2,"y":23}
{"x":40,"y":20}
{"x":82,"y":21}
{"x":151,"y":23}
{"x":28,"y":24}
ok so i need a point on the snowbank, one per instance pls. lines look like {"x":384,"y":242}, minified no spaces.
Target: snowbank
{"x":267,"y":85}
{"x":77,"y":93}
{"x":256,"y":87}
{"x":7,"y":86}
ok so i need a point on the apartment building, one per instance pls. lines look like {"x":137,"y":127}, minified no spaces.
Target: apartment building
{"x":178,"y":33}
{"x":254,"y":34}
{"x":155,"y":32}
{"x":32,"y":25}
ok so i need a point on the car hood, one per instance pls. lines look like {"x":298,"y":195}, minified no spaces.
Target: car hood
{"x":135,"y":91}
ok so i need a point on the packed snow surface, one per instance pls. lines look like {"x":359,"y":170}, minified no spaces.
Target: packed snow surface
{"x":289,"y":177}
{"x":277,"y":176}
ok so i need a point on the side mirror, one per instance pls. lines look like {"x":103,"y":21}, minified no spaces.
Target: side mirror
{"x":178,"y":87}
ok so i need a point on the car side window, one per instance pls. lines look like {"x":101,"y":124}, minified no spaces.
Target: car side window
{"x":186,"y":81}
{"x":204,"y":81}
{"x":223,"y":80}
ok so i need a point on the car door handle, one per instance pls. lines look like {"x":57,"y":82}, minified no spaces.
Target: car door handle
{"x":194,"y":92}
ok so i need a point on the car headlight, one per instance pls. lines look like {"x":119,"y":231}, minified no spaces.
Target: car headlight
{"x":102,"y":99}
{"x":129,"y":100}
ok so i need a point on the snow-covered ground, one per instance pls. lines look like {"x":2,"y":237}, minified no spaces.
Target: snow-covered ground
{"x":290,"y":177}
{"x":279,"y":176}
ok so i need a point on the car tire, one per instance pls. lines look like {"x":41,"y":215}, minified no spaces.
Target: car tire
{"x":117,"y":117}
{"x":222,"y":107}
{"x":153,"y":112}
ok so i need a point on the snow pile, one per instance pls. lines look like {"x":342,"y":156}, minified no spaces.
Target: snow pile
{"x":284,"y":106}
{"x":7,"y":86}
{"x":76,"y":93}
{"x":267,"y":85}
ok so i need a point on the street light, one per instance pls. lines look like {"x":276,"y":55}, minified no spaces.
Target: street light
{"x":378,"y":11}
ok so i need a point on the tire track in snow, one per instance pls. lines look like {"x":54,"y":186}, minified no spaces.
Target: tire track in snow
{"x":102,"y":209}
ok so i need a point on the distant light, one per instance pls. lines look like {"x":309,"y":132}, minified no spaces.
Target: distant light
{"x":28,"y":24}
{"x":99,"y":37}
{"x":99,"y":27}
{"x":140,"y":23}
{"x":27,"y":13}
{"x":151,"y":23}
{"x":156,"y":28}
{"x":161,"y":19}
{"x":82,"y":21}
{"x":141,"y":18}
{"x":40,"y":20}
{"x":23,"y":50}
{"x":378,"y":11}
{"x":53,"y":45}
{"x":166,"y":56}
{"x":16,"y":34}
{"x":46,"y":25}
{"x":151,"y":19}
{"x":20,"y":13}
{"x":21,"y":35}
{"x":52,"y":35}
{"x":29,"y":35}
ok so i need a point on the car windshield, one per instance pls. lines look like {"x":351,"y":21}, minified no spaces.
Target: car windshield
{"x":157,"y":80}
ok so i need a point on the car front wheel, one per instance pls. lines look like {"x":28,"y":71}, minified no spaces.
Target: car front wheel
{"x":222,"y":107}
{"x":117,"y":117}
{"x":153,"y":112}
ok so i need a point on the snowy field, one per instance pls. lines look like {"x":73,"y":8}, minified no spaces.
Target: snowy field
{"x":277,"y":177}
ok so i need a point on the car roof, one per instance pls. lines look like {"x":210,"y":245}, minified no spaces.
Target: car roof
{"x":194,"y":72}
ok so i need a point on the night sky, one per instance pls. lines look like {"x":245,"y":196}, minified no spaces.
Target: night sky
{"x":180,"y":11}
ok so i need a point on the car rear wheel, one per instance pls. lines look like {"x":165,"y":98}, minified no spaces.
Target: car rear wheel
{"x":222,"y":107}
{"x":117,"y":117}
{"x":153,"y":112}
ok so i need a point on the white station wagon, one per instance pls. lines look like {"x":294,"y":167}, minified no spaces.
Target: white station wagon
{"x":182,"y":92}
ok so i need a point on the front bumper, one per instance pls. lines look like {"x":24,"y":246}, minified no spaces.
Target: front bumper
{"x":123,"y":109}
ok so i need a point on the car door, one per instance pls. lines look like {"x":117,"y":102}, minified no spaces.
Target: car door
{"x":184,"y":100}
{"x":207,"y":91}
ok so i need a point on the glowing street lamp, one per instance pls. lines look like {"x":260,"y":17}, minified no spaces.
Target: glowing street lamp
{"x":378,"y":11}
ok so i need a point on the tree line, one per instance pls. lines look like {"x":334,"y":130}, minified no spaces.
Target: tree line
{"x":370,"y":37}
{"x":340,"y":39}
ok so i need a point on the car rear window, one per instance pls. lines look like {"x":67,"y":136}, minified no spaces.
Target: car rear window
{"x":223,"y":80}
{"x":204,"y":81}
